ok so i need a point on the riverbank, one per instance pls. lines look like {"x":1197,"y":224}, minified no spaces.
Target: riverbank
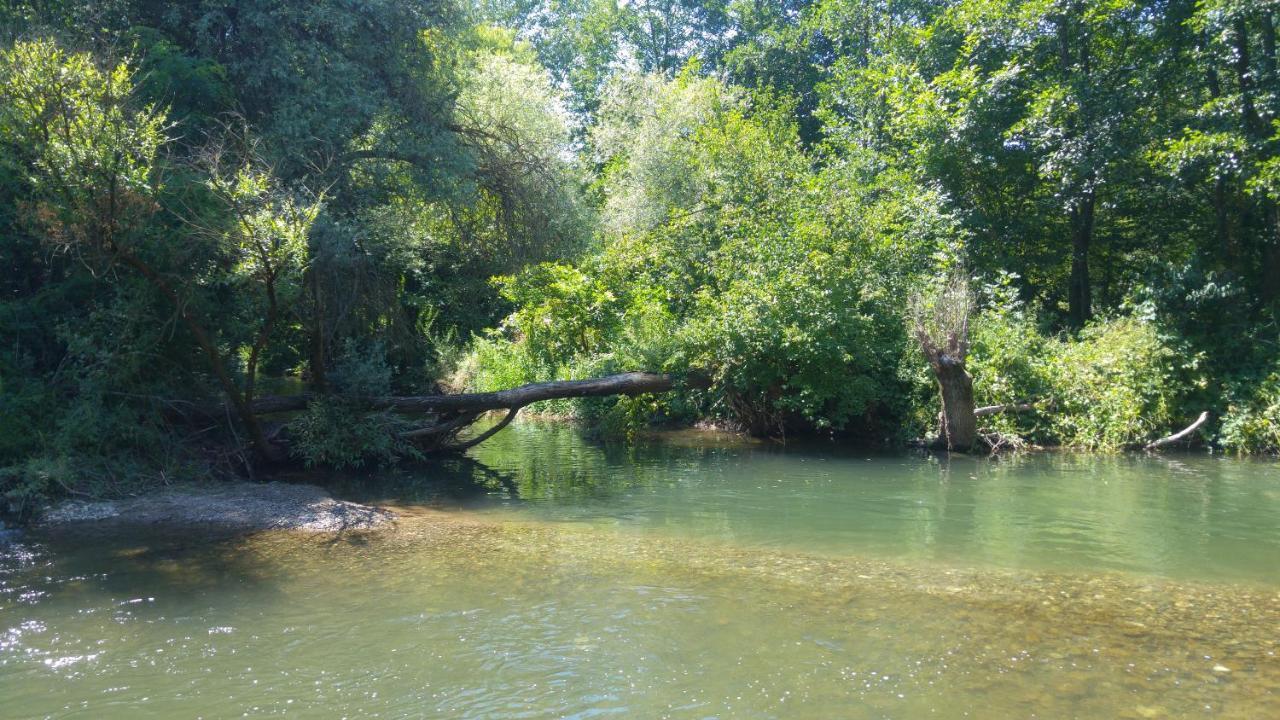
{"x":236,"y":506}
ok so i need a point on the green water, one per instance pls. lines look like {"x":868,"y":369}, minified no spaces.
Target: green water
{"x":690,"y":577}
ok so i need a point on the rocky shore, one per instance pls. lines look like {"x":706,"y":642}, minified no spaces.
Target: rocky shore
{"x":242,"y":506}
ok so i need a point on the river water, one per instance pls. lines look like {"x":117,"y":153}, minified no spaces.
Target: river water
{"x":690,"y":576}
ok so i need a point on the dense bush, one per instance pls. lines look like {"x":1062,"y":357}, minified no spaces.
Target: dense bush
{"x":724,"y":253}
{"x":1252,"y":420}
{"x":1117,"y":383}
{"x":337,"y":432}
{"x":198,"y":206}
{"x":163,"y":247}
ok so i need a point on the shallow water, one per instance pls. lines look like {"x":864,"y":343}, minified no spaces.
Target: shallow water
{"x":688,"y":578}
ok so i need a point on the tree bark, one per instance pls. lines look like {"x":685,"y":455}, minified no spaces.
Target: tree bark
{"x":959,"y":417}
{"x":453,"y":413}
{"x":1204,"y":416}
{"x":1271,"y":254}
{"x":1080,"y":295}
{"x":236,"y":399}
{"x":1253,"y":122}
{"x":1222,"y":221}
{"x":316,"y":361}
{"x":632,"y":383}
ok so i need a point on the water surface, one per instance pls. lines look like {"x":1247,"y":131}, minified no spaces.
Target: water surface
{"x":1180,"y":516}
{"x":691,"y":577}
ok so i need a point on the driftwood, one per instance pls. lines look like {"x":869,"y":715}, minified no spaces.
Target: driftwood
{"x":1183,"y":433}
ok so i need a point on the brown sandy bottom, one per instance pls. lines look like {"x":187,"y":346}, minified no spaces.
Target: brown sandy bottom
{"x":948,"y":642}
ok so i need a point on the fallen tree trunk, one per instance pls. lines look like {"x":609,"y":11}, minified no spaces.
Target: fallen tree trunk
{"x":632,"y":383}
{"x":450,"y":414}
{"x":1204,"y":417}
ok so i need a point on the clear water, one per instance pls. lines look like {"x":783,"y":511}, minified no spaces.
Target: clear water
{"x":687,"y":578}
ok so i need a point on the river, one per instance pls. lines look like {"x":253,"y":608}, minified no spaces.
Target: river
{"x":687,"y":576}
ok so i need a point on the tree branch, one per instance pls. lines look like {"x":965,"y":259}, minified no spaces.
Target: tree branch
{"x":1204,"y":417}
{"x":1008,"y":407}
{"x":632,"y":383}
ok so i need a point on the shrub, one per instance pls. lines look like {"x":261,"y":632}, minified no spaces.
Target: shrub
{"x":337,"y":432}
{"x":1251,"y":423}
{"x":1118,"y":383}
{"x":333,"y":433}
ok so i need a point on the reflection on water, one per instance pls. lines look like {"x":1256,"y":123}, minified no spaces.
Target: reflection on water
{"x":689,"y":580}
{"x":1176,"y":516}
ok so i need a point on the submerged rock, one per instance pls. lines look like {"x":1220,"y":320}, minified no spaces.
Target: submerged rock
{"x":236,"y":506}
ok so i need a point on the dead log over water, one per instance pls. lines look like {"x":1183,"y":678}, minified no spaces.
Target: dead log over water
{"x":450,"y":413}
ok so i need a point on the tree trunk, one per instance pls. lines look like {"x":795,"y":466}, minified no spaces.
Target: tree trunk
{"x":237,"y":401}
{"x":1222,"y":222}
{"x":1080,"y":295}
{"x":1253,"y":122}
{"x":955,"y":388}
{"x":632,"y":383}
{"x":449,"y":414}
{"x":316,"y":362}
{"x":1271,"y":254}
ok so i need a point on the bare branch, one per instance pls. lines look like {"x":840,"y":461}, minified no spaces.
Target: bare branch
{"x":1204,"y":417}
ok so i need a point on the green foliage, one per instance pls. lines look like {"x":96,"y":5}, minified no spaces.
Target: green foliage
{"x":1010,"y":360}
{"x":336,"y":432}
{"x":198,"y":202}
{"x":1252,"y":420}
{"x":332,"y":433}
{"x":724,"y":253}
{"x":77,"y":433}
{"x":1119,"y":383}
{"x":86,"y":154}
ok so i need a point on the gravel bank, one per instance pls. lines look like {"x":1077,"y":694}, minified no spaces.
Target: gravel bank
{"x":235,"y":506}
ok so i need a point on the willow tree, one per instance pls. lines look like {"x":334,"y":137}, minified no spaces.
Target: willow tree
{"x":941,"y":325}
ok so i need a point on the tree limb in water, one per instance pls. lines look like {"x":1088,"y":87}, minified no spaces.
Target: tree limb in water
{"x":447,"y":426}
{"x":458,"y":447}
{"x":632,"y":383}
{"x":1204,"y":417}
{"x":455,"y":412}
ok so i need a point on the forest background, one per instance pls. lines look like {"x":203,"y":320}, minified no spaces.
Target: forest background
{"x":205,"y":202}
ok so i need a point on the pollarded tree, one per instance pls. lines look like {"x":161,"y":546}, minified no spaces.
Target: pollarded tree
{"x":941,"y":325}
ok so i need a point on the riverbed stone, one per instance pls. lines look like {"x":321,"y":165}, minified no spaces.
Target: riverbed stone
{"x":239,"y":506}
